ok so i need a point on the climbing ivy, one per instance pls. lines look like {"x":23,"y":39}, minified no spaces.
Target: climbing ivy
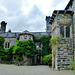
{"x":46,"y":49}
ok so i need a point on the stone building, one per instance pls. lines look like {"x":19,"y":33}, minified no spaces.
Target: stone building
{"x":26,"y":35}
{"x":10,"y":38}
{"x":71,"y":6}
{"x":63,"y":24}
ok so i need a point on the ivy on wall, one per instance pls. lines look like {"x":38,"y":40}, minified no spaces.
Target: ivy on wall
{"x":46,"y":49}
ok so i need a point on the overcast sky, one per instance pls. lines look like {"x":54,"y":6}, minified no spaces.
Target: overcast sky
{"x":22,"y":15}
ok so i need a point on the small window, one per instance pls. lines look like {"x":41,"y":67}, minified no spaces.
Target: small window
{"x":25,"y":37}
{"x":7,"y":45}
{"x":62,"y":31}
{"x":29,"y":37}
{"x":65,"y":30}
{"x":68,"y":31}
{"x":38,"y":44}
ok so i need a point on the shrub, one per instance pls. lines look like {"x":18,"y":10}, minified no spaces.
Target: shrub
{"x":6,"y":54}
{"x":72,"y":66}
{"x":47,"y":60}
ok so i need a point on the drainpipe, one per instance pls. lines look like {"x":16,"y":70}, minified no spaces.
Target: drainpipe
{"x":73,"y":37}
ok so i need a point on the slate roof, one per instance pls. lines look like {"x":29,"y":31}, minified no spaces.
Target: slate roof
{"x":26,"y":32}
{"x":40,"y":33}
{"x":16,"y":34}
{"x":10,"y":35}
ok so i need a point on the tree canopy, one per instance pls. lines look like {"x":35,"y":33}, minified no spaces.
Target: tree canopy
{"x":24,"y":47}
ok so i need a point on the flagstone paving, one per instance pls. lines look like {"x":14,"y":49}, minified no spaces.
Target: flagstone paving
{"x":30,"y":70}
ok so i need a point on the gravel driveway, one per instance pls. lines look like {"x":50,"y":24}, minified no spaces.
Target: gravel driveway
{"x":30,"y":70}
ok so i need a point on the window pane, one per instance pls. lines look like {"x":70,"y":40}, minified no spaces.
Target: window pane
{"x":5,"y":45}
{"x":29,"y":37}
{"x":67,"y":31}
{"x":8,"y":44}
{"x":25,"y":37}
{"x":62,"y":31}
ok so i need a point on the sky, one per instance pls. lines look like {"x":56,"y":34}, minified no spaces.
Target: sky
{"x":30,"y":15}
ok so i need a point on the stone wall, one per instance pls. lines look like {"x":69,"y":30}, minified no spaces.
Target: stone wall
{"x":28,"y":37}
{"x":64,"y":54}
{"x":73,"y":9}
{"x":26,"y":60}
{"x":12,"y":41}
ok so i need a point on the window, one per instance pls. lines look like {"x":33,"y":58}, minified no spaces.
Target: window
{"x":62,"y":31}
{"x":25,"y":37}
{"x":29,"y":37}
{"x":65,"y":31}
{"x":7,"y":45}
{"x":38,"y":44}
{"x":68,"y":31}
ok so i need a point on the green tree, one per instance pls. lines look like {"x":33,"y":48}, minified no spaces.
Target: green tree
{"x":1,"y":41}
{"x":7,"y":54}
{"x":1,"y":46}
{"x":24,"y":48}
{"x":47,"y":60}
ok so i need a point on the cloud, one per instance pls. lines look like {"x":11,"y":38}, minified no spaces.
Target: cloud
{"x":34,"y":21}
{"x":29,"y":15}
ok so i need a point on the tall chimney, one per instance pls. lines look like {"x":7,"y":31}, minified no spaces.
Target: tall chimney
{"x":3,"y":26}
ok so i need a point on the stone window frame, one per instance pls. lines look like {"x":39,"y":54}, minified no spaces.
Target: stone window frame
{"x":7,"y":44}
{"x":65,"y":36}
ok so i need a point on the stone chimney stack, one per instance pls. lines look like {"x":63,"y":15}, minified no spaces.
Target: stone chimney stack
{"x":48,"y":25}
{"x":3,"y":26}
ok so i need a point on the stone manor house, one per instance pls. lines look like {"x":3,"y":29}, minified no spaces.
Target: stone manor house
{"x":63,"y":24}
{"x":10,"y":38}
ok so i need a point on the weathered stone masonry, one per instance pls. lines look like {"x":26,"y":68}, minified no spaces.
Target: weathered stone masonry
{"x":62,"y":26}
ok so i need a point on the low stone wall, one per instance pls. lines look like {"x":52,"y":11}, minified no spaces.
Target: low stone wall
{"x":26,"y":61}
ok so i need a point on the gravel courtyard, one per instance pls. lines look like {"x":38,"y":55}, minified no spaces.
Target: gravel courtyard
{"x":30,"y":70}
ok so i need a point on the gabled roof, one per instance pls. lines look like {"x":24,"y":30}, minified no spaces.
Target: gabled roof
{"x":69,"y":4}
{"x":59,"y":12}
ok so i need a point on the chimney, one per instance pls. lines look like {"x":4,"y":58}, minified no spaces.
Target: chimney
{"x":3,"y":26}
